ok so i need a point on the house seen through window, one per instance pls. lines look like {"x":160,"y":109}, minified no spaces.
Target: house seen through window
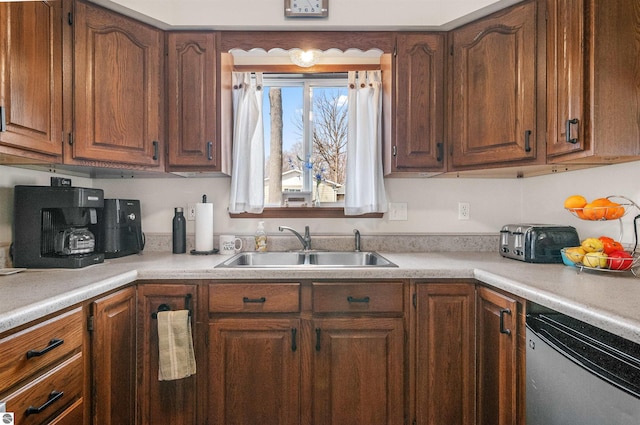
{"x":305,"y":123}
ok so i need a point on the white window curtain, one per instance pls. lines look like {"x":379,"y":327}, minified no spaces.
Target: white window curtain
{"x":247,"y":174}
{"x":364,"y":191}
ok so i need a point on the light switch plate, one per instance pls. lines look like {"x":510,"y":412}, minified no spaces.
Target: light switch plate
{"x":397,"y":211}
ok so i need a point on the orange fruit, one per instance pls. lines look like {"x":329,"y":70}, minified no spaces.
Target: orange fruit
{"x":593,"y":212}
{"x":575,"y":201}
{"x":613,"y":211}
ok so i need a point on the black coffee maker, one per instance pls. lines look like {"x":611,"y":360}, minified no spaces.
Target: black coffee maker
{"x":56,"y":226}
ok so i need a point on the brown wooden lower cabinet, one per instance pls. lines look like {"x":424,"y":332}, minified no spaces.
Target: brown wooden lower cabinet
{"x":445,"y":346}
{"x":255,"y":369}
{"x":358,"y":371}
{"x":500,"y":358}
{"x":469,"y":355}
{"x":279,"y":354}
{"x":113,"y":357}
{"x":315,"y":353}
{"x":164,"y":402}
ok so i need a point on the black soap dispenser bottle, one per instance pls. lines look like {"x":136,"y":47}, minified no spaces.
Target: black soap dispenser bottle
{"x":179,"y":232}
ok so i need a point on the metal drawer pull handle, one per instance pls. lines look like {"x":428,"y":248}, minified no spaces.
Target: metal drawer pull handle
{"x":527,"y":141}
{"x":568,"y":131}
{"x":358,"y":300}
{"x":52,"y":344}
{"x":155,"y":150}
{"x":53,"y":397}
{"x":318,"y":331}
{"x":294,"y":345}
{"x":502,"y":329}
{"x":254,"y":300}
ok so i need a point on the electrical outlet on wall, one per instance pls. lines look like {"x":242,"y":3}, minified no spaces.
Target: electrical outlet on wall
{"x":463,"y":211}
{"x":397,"y":211}
{"x":191,"y":212}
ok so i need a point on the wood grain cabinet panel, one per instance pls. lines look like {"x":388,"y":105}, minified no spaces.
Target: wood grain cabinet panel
{"x":358,"y":373}
{"x":254,"y":371}
{"x":445,"y":353}
{"x":419,"y":104}
{"x":31,"y":79}
{"x":192,"y":143}
{"x":49,"y":396}
{"x":593,"y":80}
{"x":113,"y":358}
{"x":493,"y":94}
{"x":170,"y":402}
{"x":39,"y":346}
{"x":118,"y":81}
{"x":499,"y":331}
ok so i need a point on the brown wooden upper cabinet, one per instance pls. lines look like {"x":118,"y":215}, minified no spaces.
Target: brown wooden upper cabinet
{"x":118,"y":81}
{"x":418,"y":142}
{"x":493,"y":91}
{"x":193,"y":133}
{"x":593,"y":78}
{"x":31,"y":79}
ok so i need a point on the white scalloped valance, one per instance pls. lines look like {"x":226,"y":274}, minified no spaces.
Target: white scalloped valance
{"x":327,"y":57}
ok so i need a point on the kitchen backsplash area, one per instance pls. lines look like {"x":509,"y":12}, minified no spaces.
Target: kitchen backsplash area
{"x":432,"y":222}
{"x":381,"y":243}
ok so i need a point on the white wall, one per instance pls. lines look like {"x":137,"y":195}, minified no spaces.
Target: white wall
{"x":432,"y":203}
{"x":10,"y":177}
{"x":343,"y":14}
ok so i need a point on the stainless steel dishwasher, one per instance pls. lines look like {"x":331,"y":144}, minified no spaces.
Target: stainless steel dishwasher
{"x":579,"y":374}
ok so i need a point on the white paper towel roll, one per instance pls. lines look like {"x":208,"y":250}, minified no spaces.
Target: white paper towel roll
{"x":204,"y":227}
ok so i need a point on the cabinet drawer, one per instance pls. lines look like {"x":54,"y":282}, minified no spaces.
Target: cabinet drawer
{"x":254,"y":298}
{"x":337,"y":297}
{"x":37,"y":347}
{"x":51,"y":393}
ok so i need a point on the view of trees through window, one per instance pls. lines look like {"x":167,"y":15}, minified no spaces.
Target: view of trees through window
{"x":305,"y":120}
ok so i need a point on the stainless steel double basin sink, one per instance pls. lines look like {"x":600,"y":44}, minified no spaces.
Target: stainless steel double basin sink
{"x":302,"y":259}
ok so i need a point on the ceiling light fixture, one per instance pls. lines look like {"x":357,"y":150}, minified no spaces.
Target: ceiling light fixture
{"x":304,"y":58}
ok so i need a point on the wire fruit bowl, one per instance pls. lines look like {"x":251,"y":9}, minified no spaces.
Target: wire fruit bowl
{"x":633,"y":267}
{"x":608,"y":212}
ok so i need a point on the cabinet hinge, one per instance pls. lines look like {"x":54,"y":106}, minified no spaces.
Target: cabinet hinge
{"x":90,"y":323}
{"x":70,"y":18}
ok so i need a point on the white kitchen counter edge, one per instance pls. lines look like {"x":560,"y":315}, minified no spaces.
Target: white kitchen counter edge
{"x":602,"y":299}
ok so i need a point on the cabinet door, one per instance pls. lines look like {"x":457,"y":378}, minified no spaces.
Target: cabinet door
{"x":419,"y":115}
{"x":494,"y":89}
{"x":593,"y":75}
{"x":358,"y":371}
{"x":31,"y":77}
{"x":496,"y":352}
{"x":445,"y":354}
{"x":565,"y":75}
{"x":254,"y":371}
{"x":113,"y":358}
{"x":164,"y":402}
{"x":118,"y":75}
{"x":191,"y":94}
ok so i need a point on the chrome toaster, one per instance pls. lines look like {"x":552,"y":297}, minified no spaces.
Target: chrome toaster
{"x":536,"y":243}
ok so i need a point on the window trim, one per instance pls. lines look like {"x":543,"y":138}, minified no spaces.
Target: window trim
{"x":303,"y":212}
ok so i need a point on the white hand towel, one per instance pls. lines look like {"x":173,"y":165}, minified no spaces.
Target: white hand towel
{"x":176,"y":355}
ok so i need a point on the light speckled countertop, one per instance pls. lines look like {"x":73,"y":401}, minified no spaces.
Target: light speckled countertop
{"x":608,"y":300}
